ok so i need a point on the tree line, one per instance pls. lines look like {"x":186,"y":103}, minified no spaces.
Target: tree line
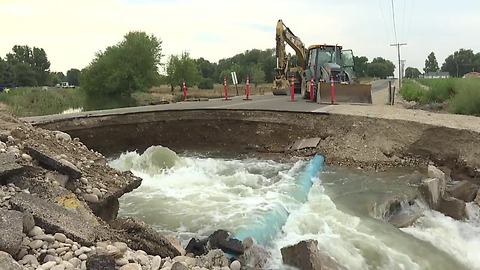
{"x":26,"y":66}
{"x":378,"y":67}
{"x":135,"y":64}
{"x":256,"y":64}
{"x":457,"y":64}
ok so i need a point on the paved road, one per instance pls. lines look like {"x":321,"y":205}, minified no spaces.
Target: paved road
{"x":266,"y":102}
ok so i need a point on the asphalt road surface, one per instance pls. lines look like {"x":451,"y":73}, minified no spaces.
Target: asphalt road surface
{"x":266,"y":102}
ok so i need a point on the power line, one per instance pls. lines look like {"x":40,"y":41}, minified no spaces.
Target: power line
{"x":398,"y":45}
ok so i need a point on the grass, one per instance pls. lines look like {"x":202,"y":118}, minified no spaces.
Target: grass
{"x":31,"y":101}
{"x":462,"y":96}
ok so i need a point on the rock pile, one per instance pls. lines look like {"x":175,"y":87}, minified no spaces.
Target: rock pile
{"x":447,"y":196}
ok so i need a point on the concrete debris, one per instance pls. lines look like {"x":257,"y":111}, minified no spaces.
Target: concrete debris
{"x":55,"y":218}
{"x":7,"y":262}
{"x":60,"y":165}
{"x":304,"y":143}
{"x":11,"y":229}
{"x":138,"y":235}
{"x":8,"y":165}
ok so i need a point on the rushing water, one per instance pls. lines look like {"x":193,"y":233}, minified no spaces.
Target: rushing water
{"x":194,"y":196}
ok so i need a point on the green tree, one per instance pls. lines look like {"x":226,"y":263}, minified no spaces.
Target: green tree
{"x":380,"y":68}
{"x":206,"y":69}
{"x":73,"y":76}
{"x":412,"y":73}
{"x":56,"y":77}
{"x":182,"y":68}
{"x":460,"y":62}
{"x":431,"y":64}
{"x":131,"y":65}
{"x":24,"y":75}
{"x":7,"y":77}
{"x":29,"y":62}
{"x":257,"y":75}
{"x":242,"y":63}
{"x":40,"y":65}
{"x":360,"y":63}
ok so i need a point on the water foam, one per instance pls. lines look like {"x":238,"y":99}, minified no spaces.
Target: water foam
{"x":458,"y":238}
{"x":195,"y":196}
{"x":200,"y":195}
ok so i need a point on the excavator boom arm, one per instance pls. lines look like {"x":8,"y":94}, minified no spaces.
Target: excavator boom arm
{"x":285,"y":35}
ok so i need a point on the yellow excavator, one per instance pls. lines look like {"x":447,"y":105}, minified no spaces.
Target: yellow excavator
{"x":322,"y":64}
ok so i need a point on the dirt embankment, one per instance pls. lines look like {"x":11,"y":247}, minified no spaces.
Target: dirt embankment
{"x":59,"y":204}
{"x":345,"y":139}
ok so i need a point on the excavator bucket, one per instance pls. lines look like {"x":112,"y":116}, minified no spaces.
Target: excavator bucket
{"x":353,"y":93}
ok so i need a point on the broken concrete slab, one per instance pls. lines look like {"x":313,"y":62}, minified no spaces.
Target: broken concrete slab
{"x":138,"y":235}
{"x":61,"y":165}
{"x":54,"y":218}
{"x":8,"y":263}
{"x":304,"y":143}
{"x":9,"y":165}
{"x":11,"y":228}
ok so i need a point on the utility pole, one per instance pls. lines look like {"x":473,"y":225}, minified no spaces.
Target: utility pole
{"x":398,"y":45}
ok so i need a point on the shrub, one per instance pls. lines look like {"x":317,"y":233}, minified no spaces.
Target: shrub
{"x":206,"y":83}
{"x":467,"y":99}
{"x":440,"y":90}
{"x":411,"y":91}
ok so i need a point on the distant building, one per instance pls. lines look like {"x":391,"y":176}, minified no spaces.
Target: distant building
{"x":436,"y":75}
{"x":472,"y":75}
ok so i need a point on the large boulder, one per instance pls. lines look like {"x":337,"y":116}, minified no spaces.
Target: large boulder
{"x":306,"y":256}
{"x":197,"y":247}
{"x":431,"y":191}
{"x":453,"y":208}
{"x":11,"y":228}
{"x":223,"y":240}
{"x":139,"y":236}
{"x":8,"y":263}
{"x":463,"y":190}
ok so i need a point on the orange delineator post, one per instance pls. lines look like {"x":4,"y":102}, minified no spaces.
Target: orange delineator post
{"x":292,"y":91}
{"x":332,"y":87}
{"x":225,"y":88}
{"x":184,"y":91}
{"x":312,"y":96}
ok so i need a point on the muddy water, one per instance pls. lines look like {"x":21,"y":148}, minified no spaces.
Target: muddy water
{"x":193,"y":196}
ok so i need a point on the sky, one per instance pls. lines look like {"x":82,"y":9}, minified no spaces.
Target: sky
{"x":71,"y":32}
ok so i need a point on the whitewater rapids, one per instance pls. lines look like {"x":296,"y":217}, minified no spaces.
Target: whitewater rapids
{"x":192,"y":196}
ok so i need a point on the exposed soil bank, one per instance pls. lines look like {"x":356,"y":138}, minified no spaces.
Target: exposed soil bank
{"x":345,"y":140}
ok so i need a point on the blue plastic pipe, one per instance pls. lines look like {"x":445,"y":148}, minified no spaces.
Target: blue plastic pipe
{"x":265,"y":229}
